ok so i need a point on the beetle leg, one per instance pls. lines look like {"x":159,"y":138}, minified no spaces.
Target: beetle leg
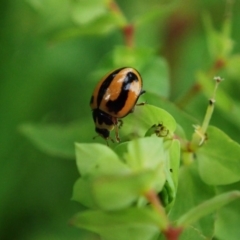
{"x":108,"y":139}
{"x":120,"y":121}
{"x":116,"y":134}
{"x":137,"y":104}
{"x":115,"y":121}
{"x":95,"y":137}
{"x":141,"y":104}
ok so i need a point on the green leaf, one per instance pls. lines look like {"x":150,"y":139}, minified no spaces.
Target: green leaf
{"x":115,"y":187}
{"x":233,"y":66}
{"x":158,"y":10}
{"x":219,"y":43}
{"x":111,"y":192}
{"x":192,"y":233}
{"x":182,"y":118}
{"x":84,"y":11}
{"x":123,"y":56}
{"x":144,"y":117}
{"x":119,"y":191}
{"x":188,"y":234}
{"x":98,"y":159}
{"x":101,"y":26}
{"x":54,"y":139}
{"x":82,"y":193}
{"x":121,"y":149}
{"x":139,"y":157}
{"x":168,"y":192}
{"x":227,"y":222}
{"x":145,"y":153}
{"x":131,"y":223}
{"x":147,"y":12}
{"x":206,"y":208}
{"x":191,"y":192}
{"x":45,"y":9}
{"x":77,"y":18}
{"x":134,"y":57}
{"x":174,"y":157}
{"x":155,"y":74}
{"x":218,"y":159}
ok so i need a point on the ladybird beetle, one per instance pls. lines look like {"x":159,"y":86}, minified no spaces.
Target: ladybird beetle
{"x":114,"y":97}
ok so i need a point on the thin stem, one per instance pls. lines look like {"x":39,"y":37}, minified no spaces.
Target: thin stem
{"x":113,"y":6}
{"x":210,"y":108}
{"x":173,"y":233}
{"x":170,"y":232}
{"x":199,"y":135}
{"x":128,"y":33}
{"x":152,"y":197}
{"x":127,"y":28}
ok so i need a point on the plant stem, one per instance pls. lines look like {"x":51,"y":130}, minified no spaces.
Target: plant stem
{"x":116,"y":9}
{"x":210,"y":106}
{"x":113,"y":6}
{"x":152,"y":197}
{"x":170,"y":232}
{"x":199,"y":135}
{"x":128,"y":33}
{"x":127,"y":28}
{"x":173,"y":233}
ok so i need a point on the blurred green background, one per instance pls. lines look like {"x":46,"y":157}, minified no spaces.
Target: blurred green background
{"x":45,"y":80}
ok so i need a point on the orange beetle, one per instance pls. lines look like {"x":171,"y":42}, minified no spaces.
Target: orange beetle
{"x":114,"y":97}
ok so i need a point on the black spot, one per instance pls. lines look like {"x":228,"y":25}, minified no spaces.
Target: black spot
{"x":106,"y":83}
{"x":117,"y":104}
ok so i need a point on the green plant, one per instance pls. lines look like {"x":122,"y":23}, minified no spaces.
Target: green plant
{"x":166,"y":178}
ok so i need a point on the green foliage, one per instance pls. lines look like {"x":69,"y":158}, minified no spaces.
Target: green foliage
{"x":223,"y":228}
{"x":131,"y":223}
{"x":113,"y":184}
{"x":219,"y":157}
{"x":207,"y":207}
{"x":122,"y":186}
{"x":165,"y":177}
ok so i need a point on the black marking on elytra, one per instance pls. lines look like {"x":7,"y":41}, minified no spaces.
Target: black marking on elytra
{"x":92,"y":99}
{"x":117,"y":104}
{"x":106,"y":83}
